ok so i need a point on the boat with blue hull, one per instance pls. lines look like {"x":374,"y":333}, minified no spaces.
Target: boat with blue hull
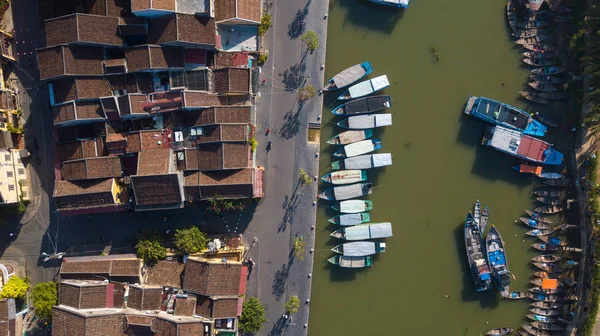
{"x":521,"y":146}
{"x":497,"y":259}
{"x":365,"y":88}
{"x":348,"y":76}
{"x":363,"y":105}
{"x":393,"y":3}
{"x":480,"y":270}
{"x":497,"y":113}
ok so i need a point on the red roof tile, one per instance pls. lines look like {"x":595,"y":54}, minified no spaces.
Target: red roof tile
{"x":212,"y":279}
{"x":157,"y":189}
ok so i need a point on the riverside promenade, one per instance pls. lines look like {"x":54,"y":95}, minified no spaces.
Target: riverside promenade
{"x":287,"y":210}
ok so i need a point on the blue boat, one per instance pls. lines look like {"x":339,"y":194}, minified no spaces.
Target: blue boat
{"x":348,"y":76}
{"x":497,"y":259}
{"x":480,"y":270}
{"x":393,"y":3}
{"x":497,"y":113}
{"x":365,"y":88}
{"x":521,"y":146}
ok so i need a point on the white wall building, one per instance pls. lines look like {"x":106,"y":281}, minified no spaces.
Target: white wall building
{"x":13,"y":177}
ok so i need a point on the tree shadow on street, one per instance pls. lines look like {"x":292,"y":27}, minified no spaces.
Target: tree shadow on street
{"x":291,"y":125}
{"x":279,"y":280}
{"x":296,"y":28}
{"x":280,"y":326}
{"x":289,"y":206}
{"x":293,"y":77}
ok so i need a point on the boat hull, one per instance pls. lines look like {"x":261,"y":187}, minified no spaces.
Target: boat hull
{"x":366,"y":68}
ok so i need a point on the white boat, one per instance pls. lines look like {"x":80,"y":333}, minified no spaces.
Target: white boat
{"x":367,"y":121}
{"x":364,"y":231}
{"x":347,"y":191}
{"x":353,"y":206}
{"x":349,"y":137}
{"x":358,"y":148}
{"x":359,"y":249}
{"x":345,"y":176}
{"x":365,"y":88}
{"x":363,"y":162}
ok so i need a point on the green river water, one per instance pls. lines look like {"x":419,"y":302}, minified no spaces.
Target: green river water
{"x":439,"y":170}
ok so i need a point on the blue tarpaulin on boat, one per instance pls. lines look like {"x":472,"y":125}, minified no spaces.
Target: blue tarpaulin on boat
{"x":485,"y":276}
{"x":497,"y":258}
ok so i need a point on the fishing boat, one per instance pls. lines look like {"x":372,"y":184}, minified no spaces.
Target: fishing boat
{"x":348,"y":76}
{"x":546,"y":121}
{"x":359,"y":249}
{"x":477,"y":212}
{"x":549,"y":209}
{"x":538,"y":62}
{"x":542,"y":318}
{"x":548,"y":71}
{"x":535,"y":170}
{"x":549,"y":193}
{"x":350,"y":219}
{"x":547,"y":79}
{"x":392,"y":3}
{"x":367,"y":121}
{"x":533,"y":24}
{"x":351,"y":262}
{"x":497,"y":259}
{"x":553,"y":241}
{"x":548,"y":267}
{"x":345,"y":176}
{"x":539,"y":232}
{"x":363,"y":162}
{"x":570,"y":263}
{"x":547,"y":326}
{"x":544,"y":247}
{"x":545,"y":297}
{"x":499,"y":331}
{"x":346,"y":192}
{"x":534,"y":223}
{"x":540,"y":290}
{"x":546,"y":258}
{"x":551,"y":176}
{"x":545,"y":305}
{"x":353,"y":206}
{"x":525,"y":33}
{"x":497,"y":113}
{"x":475,"y":255}
{"x":516,"y":295}
{"x":539,"y":54}
{"x":532,"y":331}
{"x":539,"y":47}
{"x":364,"y":231}
{"x":511,"y":14}
{"x":358,"y":148}
{"x":548,"y":200}
{"x":365,"y":88}
{"x":565,"y":182}
{"x":531,"y":40}
{"x":363,"y":105}
{"x":538,"y":217}
{"x":521,"y":146}
{"x":540,"y":275}
{"x":484,"y":219}
{"x":544,"y":312}
{"x":544,"y":87}
{"x":522,"y":332}
{"x":553,"y":95}
{"x":349,"y":137}
{"x":534,"y":97}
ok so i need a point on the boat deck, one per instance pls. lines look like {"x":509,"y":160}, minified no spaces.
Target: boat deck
{"x":370,"y":104}
{"x":349,"y":75}
{"x":515,"y":143}
{"x":500,"y":112}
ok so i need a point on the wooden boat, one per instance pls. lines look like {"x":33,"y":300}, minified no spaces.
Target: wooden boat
{"x":349,"y":137}
{"x":350,"y":219}
{"x":548,"y":200}
{"x":359,"y":249}
{"x":526,"y":33}
{"x":522,"y":332}
{"x":540,"y":290}
{"x":544,"y":312}
{"x":548,"y":267}
{"x":539,"y":54}
{"x":529,"y":169}
{"x":363,"y":106}
{"x":353,"y":206}
{"x":485,"y":213}
{"x":545,"y":305}
{"x":511,"y":14}
{"x":546,"y":258}
{"x":550,"y":209}
{"x":358,"y":148}
{"x":545,"y":297}
{"x":548,"y":71}
{"x":542,"y":318}
{"x":367,"y":121}
{"x":549,"y":193}
{"x":544,"y":247}
{"x":534,"y":223}
{"x":545,"y":275}
{"x":547,"y":326}
{"x":367,"y":161}
{"x":477,"y":211}
{"x":532,"y":331}
{"x":539,"y":232}
{"x":365,"y":88}
{"x":538,"y":62}
{"x":553,"y":241}
{"x":364,"y":231}
{"x":534,"y":97}
{"x":348,"y":76}
{"x":516,"y":295}
{"x":544,"y":87}
{"x":351,"y":262}
{"x":497,"y":259}
{"x":345,"y":176}
{"x":553,"y":95}
{"x":498,"y":113}
{"x":521,"y":146}
{"x":533,"y":24}
{"x":539,"y":47}
{"x":480,"y":271}
{"x":547,"y":79}
{"x":538,"y":217}
{"x":346,"y":192}
{"x":551,"y":175}
{"x":565,"y":182}
{"x":531,"y":40}
{"x":563,"y":10}
{"x":500,"y":331}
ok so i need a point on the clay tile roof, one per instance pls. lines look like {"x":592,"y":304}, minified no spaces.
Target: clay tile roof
{"x":212,"y":279}
{"x":224,"y":177}
{"x":202,"y":99}
{"x":126,"y":267}
{"x":67,"y":323}
{"x":224,"y":9}
{"x":204,"y":306}
{"x":227,"y":191}
{"x":78,"y":111}
{"x":83,"y":28}
{"x":223,"y":308}
{"x":210,"y":156}
{"x":185,"y":307}
{"x":157,"y":189}
{"x":191,"y":328}
{"x":249,"y":10}
{"x":73,"y":170}
{"x":92,"y":168}
{"x":83,"y":296}
{"x":68,"y":151}
{"x":191,"y":178}
{"x":154,"y":161}
{"x":234,"y":132}
{"x":234,"y":80}
{"x":165,"y":273}
{"x":83,"y":194}
{"x":164,"y":327}
{"x":70,"y":60}
{"x":110,"y":325}
{"x":93,"y":266}
{"x":236,"y":155}
{"x":80,"y":88}
{"x":134,"y":143}
{"x":154,"y":57}
{"x":92,"y":148}
{"x":142,"y":298}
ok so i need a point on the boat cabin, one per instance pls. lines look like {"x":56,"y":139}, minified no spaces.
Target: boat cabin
{"x":520,"y":145}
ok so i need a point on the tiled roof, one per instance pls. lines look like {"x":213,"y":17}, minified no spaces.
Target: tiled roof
{"x":142,"y":298}
{"x":83,"y":28}
{"x":82,"y":294}
{"x":157,"y":189}
{"x":227,"y":191}
{"x":71,"y":111}
{"x":226,"y":177}
{"x":83,"y":194}
{"x":216,"y":156}
{"x":233,"y":80}
{"x":92,"y":168}
{"x":154,"y":161}
{"x":80,"y":88}
{"x":165,"y":273}
{"x":223,"y":308}
{"x":124,"y":267}
{"x":218,"y":115}
{"x":149,"y":57}
{"x":202,"y":99}
{"x":67,"y":321}
{"x":185,"y":307}
{"x":70,"y":60}
{"x":53,"y":8}
{"x":68,"y":151}
{"x":249,"y":9}
{"x":212,"y":279}
{"x":224,"y":9}
{"x":182,"y":28}
{"x":132,"y":104}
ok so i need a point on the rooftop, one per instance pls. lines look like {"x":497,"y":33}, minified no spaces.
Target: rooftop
{"x":165,"y":273}
{"x":70,"y":60}
{"x":182,"y":29}
{"x":155,"y":161}
{"x":91,"y":168}
{"x":232,"y":80}
{"x":158,"y":190}
{"x":83,"y":294}
{"x":218,"y":115}
{"x":78,"y":111}
{"x":84,"y":194}
{"x":83,"y":28}
{"x":153,"y":57}
{"x":82,"y":88}
{"x":212,"y":279}
{"x":238,"y":11}
{"x":79,"y":149}
{"x":216,"y":156}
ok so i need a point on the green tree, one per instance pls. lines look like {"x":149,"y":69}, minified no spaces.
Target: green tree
{"x":265,"y":24}
{"x":304,"y":177}
{"x":190,"y":240}
{"x":149,"y":247}
{"x":253,"y":315}
{"x":262,"y":57}
{"x":15,"y":288}
{"x":44,"y":298}
{"x":253,"y":144}
{"x":311,"y":39}
{"x":306,"y":93}
{"x":299,"y":245}
{"x":293,"y":304}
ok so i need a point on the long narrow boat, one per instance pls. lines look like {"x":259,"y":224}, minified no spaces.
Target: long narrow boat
{"x":526,"y":33}
{"x":363,"y":105}
{"x":545,"y":305}
{"x":499,"y":331}
{"x":516,"y":295}
{"x":546,"y":258}
{"x":539,"y":232}
{"x":359,"y":249}
{"x":531,"y":40}
{"x":349,"y":137}
{"x":533,"y":24}
{"x":544,"y":312}
{"x":534,"y":332}
{"x":553,"y":241}
{"x":551,"y":175}
{"x":521,"y":146}
{"x":545,"y":297}
{"x":346,"y":192}
{"x":546,"y":121}
{"x":477,"y":211}
{"x":565,"y":182}
{"x":553,"y":95}
{"x":548,"y":326}
{"x":358,"y":148}
{"x":511,"y":14}
{"x":540,"y":290}
{"x":497,"y":113}
{"x":548,"y":200}
{"x":365,"y":88}
{"x":544,"y":87}
{"x":484,"y":219}
{"x":537,"y":171}
{"x":350,"y":219}
{"x":548,"y":71}
{"x":364,"y":231}
{"x":351,"y":262}
{"x":480,"y":270}
{"x":538,"y":62}
{"x":544,"y":247}
{"x":348,"y":76}
{"x":539,"y":47}
{"x":539,"y":54}
{"x":534,"y":223}
{"x":363,"y":162}
{"x":497,"y":259}
{"x":542,"y":318}
{"x":345,"y":176}
{"x":353,"y":206}
{"x":534,"y":97}
{"x":550,"y":209}
{"x":539,"y":217}
{"x":547,"y":79}
{"x":548,"y":267}
{"x":549,"y":193}
{"x":367,"y":121}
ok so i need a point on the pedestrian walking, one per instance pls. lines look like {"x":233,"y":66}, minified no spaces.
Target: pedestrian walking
{"x":264,"y":81}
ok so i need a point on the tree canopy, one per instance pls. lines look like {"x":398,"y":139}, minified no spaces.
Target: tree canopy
{"x":311,"y":39}
{"x":293,"y":304}
{"x":149,"y":247}
{"x":44,"y":297}
{"x":14,"y":288}
{"x":253,"y":315}
{"x":190,"y":240}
